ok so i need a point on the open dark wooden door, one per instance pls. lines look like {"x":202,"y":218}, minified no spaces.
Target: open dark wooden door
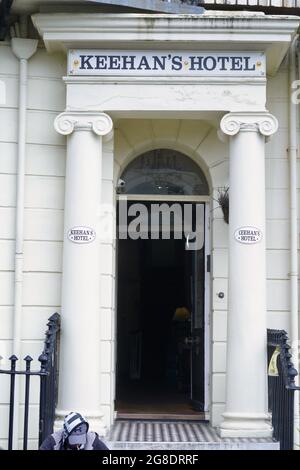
{"x":196,"y":278}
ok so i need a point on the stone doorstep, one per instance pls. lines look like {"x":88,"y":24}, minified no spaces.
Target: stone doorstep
{"x":189,"y":446}
{"x":177,"y":435}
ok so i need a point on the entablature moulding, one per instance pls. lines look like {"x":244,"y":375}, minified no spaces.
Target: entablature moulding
{"x":213,"y":30}
{"x":164,"y":100}
{"x":172,"y":96}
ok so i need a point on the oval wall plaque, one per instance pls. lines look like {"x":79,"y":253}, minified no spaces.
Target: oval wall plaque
{"x":248,"y":235}
{"x":81,"y":234}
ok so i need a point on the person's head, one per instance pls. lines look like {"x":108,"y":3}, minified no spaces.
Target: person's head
{"x":75,"y":431}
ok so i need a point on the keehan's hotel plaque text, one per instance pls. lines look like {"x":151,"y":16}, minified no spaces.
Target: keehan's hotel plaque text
{"x":116,"y":62}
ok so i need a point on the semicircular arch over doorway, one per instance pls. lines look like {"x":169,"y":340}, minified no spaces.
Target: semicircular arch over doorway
{"x":163,"y":172}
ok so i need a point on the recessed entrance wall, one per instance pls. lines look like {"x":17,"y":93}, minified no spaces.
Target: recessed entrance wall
{"x":199,"y":141}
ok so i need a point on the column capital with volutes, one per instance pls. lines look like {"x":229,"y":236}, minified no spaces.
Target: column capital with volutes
{"x":262,"y":122}
{"x":70,"y":121}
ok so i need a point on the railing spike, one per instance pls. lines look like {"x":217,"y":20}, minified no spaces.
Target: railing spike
{"x":28,"y":359}
{"x":13,"y":358}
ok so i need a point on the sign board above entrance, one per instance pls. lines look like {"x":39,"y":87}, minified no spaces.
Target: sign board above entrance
{"x":166,"y":63}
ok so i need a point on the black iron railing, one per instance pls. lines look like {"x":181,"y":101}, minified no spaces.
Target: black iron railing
{"x":48,"y":374}
{"x":49,"y":383}
{"x":281,"y":388}
{"x":252,"y":3}
{"x":238,"y":3}
{"x":243,"y":3}
{"x":269,"y":7}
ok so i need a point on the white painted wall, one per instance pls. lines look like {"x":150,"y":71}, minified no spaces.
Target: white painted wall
{"x":277,"y":205}
{"x":44,"y":201}
{"x":107,"y":289}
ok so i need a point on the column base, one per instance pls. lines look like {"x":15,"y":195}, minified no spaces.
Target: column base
{"x":245,"y":425}
{"x":94,"y":419}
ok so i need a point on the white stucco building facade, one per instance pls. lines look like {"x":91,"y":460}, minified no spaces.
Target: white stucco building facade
{"x":81,"y":132}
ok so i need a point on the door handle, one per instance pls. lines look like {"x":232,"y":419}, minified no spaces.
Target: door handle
{"x":192,"y":340}
{"x":187,"y":243}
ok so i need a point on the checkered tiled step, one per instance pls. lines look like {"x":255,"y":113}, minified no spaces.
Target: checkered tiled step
{"x":138,"y":434}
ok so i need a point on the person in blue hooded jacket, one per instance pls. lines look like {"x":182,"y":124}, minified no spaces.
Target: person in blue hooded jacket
{"x":74,"y":435}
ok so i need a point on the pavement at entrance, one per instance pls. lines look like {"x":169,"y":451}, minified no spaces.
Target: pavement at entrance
{"x":172,"y":435}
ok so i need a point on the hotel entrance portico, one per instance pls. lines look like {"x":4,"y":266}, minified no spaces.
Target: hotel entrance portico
{"x":177,"y":101}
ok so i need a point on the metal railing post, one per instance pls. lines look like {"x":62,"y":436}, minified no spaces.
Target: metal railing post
{"x":13,"y":360}
{"x":28,"y":360}
{"x":281,"y":389}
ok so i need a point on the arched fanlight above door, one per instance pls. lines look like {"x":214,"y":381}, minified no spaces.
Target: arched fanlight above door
{"x":164,"y":172}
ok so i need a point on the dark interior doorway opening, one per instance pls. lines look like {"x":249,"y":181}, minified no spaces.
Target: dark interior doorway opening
{"x":160,"y":329}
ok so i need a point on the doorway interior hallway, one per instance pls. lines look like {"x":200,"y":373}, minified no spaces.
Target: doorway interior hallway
{"x":155,"y":402}
{"x":156,"y":300}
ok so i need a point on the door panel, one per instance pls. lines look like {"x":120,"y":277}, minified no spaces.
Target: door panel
{"x":195,"y":267}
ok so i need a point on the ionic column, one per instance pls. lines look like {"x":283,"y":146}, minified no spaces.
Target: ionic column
{"x":246,"y":374}
{"x":79,"y":374}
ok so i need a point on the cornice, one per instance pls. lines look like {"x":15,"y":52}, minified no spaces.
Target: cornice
{"x":272,"y":34}
{"x":148,"y":27}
